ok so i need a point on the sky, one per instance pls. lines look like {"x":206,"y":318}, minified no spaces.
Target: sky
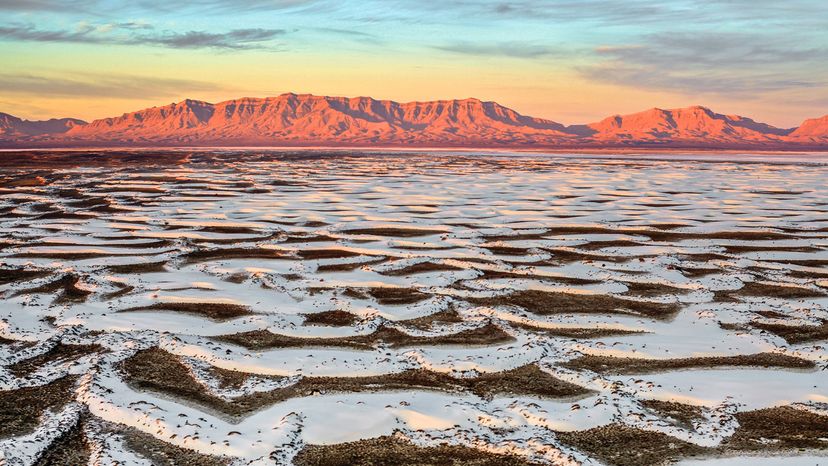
{"x":572,"y":61}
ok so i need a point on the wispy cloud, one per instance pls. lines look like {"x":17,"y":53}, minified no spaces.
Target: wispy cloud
{"x":150,"y":6}
{"x":44,"y":5}
{"x":235,"y":39}
{"x":629,"y":12}
{"x":733,"y":63}
{"x":102,"y":86}
{"x":133,"y":33}
{"x":505,"y":49}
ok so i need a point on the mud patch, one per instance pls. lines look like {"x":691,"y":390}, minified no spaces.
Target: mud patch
{"x":349,"y":266}
{"x":489,"y":334}
{"x":331,"y":319}
{"x":395,"y":451}
{"x":59,"y":354}
{"x":393,"y":232}
{"x":795,"y":334}
{"x":21,"y":409}
{"x":146,"y":267}
{"x":71,"y":448}
{"x":319,"y":254}
{"x":215,"y":311}
{"x":576,"y":332}
{"x":756,"y":289}
{"x":164,"y":454}
{"x":384,"y":295}
{"x":619,"y":445}
{"x":233,"y":253}
{"x":448,"y":316}
{"x":422,"y":267}
{"x":157,"y":370}
{"x":546,"y":303}
{"x":682,"y":415}
{"x":20,"y":275}
{"x":616,"y":366}
{"x":66,"y":287}
{"x":779,"y":428}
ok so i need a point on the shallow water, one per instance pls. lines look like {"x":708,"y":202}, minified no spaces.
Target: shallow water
{"x":657,"y":260}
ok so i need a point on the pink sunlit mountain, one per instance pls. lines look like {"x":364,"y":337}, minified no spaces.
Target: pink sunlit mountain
{"x":307,"y":120}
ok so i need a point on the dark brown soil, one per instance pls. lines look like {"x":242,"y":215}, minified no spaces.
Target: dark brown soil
{"x":262,"y":339}
{"x":391,"y":451}
{"x":76,"y":256}
{"x":808,"y":275}
{"x":771,"y":314}
{"x":164,"y":454}
{"x":508,"y":250}
{"x":613,"y":365}
{"x":331,"y":318}
{"x":795,"y":334}
{"x":61,"y":215}
{"x":596,"y":245}
{"x":215,"y":311}
{"x":683,"y":414}
{"x":393,"y":232}
{"x":619,"y":445}
{"x":422,"y":267}
{"x":448,"y":316}
{"x":71,"y":448}
{"x":576,"y":332}
{"x":229,"y":230}
{"x":157,"y":370}
{"x":233,"y":253}
{"x":383,"y":295}
{"x":147,"y":267}
{"x":317,"y":254}
{"x":146,"y":245}
{"x":397,"y":296}
{"x":652,"y":289}
{"x":20,"y":275}
{"x":57,"y":354}
{"x":526,"y":380}
{"x":347,"y":267}
{"x":496,"y":274}
{"x":789,"y":428}
{"x":654,"y":235}
{"x":565,"y":256}
{"x":20,"y":409}
{"x":66,"y":287}
{"x":308,"y":239}
{"x":776,"y":291}
{"x":695,"y":272}
{"x":546,"y":302}
{"x":740,"y":249}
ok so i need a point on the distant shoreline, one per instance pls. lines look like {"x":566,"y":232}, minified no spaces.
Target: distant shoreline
{"x":471,"y":149}
{"x":116,"y":155}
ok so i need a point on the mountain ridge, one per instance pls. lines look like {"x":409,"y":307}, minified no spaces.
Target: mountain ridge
{"x":305,"y":119}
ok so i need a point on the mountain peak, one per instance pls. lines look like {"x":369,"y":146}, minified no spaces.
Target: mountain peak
{"x":293,"y":119}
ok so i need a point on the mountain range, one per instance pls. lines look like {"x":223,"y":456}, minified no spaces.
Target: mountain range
{"x":308,"y":120}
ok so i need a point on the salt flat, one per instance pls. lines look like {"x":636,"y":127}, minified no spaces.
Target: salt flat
{"x":267,"y":307}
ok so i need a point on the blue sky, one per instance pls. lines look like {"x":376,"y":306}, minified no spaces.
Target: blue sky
{"x":572,"y":61}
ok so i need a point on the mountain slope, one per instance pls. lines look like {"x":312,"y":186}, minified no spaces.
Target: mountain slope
{"x":11,"y":126}
{"x":814,"y":130}
{"x":686,"y":125}
{"x":308,"y":120}
{"x":292,"y":118}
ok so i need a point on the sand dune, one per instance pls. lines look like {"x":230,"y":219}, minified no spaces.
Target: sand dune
{"x":297,"y":120}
